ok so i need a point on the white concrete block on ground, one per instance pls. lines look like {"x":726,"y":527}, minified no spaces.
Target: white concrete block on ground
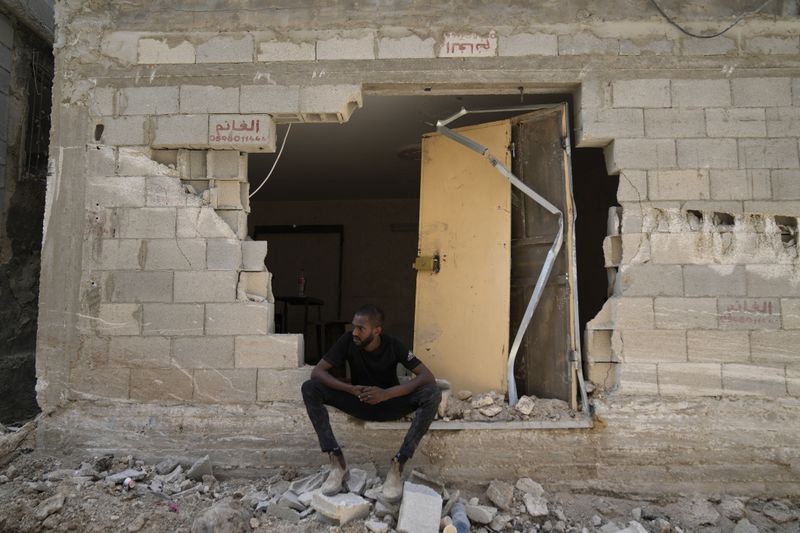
{"x":420,"y":510}
{"x":341,"y":508}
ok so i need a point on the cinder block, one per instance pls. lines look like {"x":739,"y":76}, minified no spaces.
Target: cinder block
{"x":100,"y":160}
{"x":793,"y":380}
{"x":738,"y":184}
{"x":768,"y":153}
{"x":147,"y":100}
{"x":119,"y":319}
{"x":139,"y":352}
{"x":630,"y":154}
{"x":161,"y":384}
{"x":269,"y":351}
{"x":685,"y":313}
{"x":245,"y":318}
{"x":678,"y":184}
{"x":754,"y":380}
{"x":715,"y":46}
{"x":772,"y":280}
{"x":790,"y":309}
{"x":680,"y":248}
{"x":599,"y":126}
{"x":174,"y":254}
{"x":146,"y":222}
{"x":773,"y":45}
{"x":766,"y":208}
{"x":226,"y":165}
{"x":690,"y":379}
{"x":762,"y":92}
{"x":597,"y":346}
{"x":528,"y":44}
{"x":181,"y":131}
{"x":255,"y":286}
{"x":205,"y":286}
{"x":642,"y":93}
{"x":253,"y":255}
{"x":92,"y":352}
{"x":167,"y":191}
{"x":653,"y":346}
{"x":701,"y":93}
{"x":714,"y":280}
{"x":224,"y":254}
{"x":775,"y":346}
{"x":202,"y":222}
{"x":606,"y":375}
{"x":674,"y":122}
{"x":329,"y":103}
{"x":209,"y":99}
{"x":632,"y":313}
{"x":102,"y":101}
{"x":714,"y":346}
{"x":638,"y":379}
{"x":420,"y":509}
{"x":270,"y":51}
{"x":139,"y":162}
{"x":203,"y":352}
{"x":172,"y":319}
{"x":113,"y":254}
{"x":647,"y":46}
{"x":120,"y":131}
{"x":236,"y":220}
{"x":612,"y":250}
{"x":224,"y":386}
{"x":165,"y":51}
{"x":593,"y":93}
{"x":281,"y":385}
{"x":785,"y":184}
{"x":104,"y":192}
{"x":225,"y":194}
{"x":99,"y":384}
{"x":707,"y":153}
{"x":124,"y":286}
{"x":632,"y":186}
{"x":346,"y":48}
{"x":272,"y":99}
{"x":409,"y":47}
{"x":121,"y":46}
{"x":226,"y":49}
{"x":192,"y":164}
{"x":650,"y":280}
{"x":586,"y":43}
{"x":736,"y":122}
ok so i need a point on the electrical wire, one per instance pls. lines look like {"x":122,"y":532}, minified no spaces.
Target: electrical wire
{"x":707,"y":36}
{"x":278,"y":158}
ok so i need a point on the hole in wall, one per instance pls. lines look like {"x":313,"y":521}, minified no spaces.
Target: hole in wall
{"x":788,"y":229}
{"x":695,"y":219}
{"x":724,"y":221}
{"x":98,"y":132}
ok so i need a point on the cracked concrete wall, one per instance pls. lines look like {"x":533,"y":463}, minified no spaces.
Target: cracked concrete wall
{"x":704,"y":135}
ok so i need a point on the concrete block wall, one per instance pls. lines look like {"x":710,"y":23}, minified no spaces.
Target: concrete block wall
{"x":705,"y":259}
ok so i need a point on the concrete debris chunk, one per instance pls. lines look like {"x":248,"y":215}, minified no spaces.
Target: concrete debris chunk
{"x":609,"y":527}
{"x":732,"y":508}
{"x":291,"y":501}
{"x":306,"y":497}
{"x":500,"y":521}
{"x":132,"y":473}
{"x":166,"y":466}
{"x":374,"y":492}
{"x":524,"y":405}
{"x":420,"y":510}
{"x":222,"y":517}
{"x":661,"y":526}
{"x":308,"y":483}
{"x":376,"y":526}
{"x":529,"y":486}
{"x":701,"y":513}
{"x":419,"y":478}
{"x":341,"y":508}
{"x":482,"y":514}
{"x":484,"y":400}
{"x":633,"y":527}
{"x":778,"y":512}
{"x":356,"y":481}
{"x":491,"y":411}
{"x":384,"y":509}
{"x":58,"y":475}
{"x":284,"y":513}
{"x":200,"y":468}
{"x":464,"y":395}
{"x":535,"y":505}
{"x":51,"y":505}
{"x":745,"y":526}
{"x":453,"y":498}
{"x":501,"y":494}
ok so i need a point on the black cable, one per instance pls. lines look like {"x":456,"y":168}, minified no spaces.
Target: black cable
{"x":699,"y":36}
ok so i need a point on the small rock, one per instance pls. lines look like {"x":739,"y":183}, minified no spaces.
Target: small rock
{"x":633,"y":527}
{"x":51,"y":505}
{"x":306,"y":497}
{"x":464,"y":395}
{"x":609,"y":527}
{"x":174,"y":476}
{"x":308,"y":483}
{"x":778,"y":512}
{"x":132,"y":473}
{"x":501,"y":494}
{"x":700,"y":512}
{"x":254,"y":523}
{"x":166,"y":466}
{"x":535,"y":505}
{"x":384,"y":509}
{"x":137,"y":524}
{"x":374,"y":493}
{"x":547,"y":526}
{"x":356,"y":481}
{"x":284,"y":513}
{"x":529,"y":486}
{"x":732,"y":508}
{"x":636,"y":513}
{"x":290,"y":501}
{"x":52,"y":522}
{"x":376,"y":527}
{"x":491,"y":411}
{"x":484,"y":400}
{"x":221,"y":517}
{"x":744,"y":526}
{"x":662,"y":526}
{"x":560,"y":515}
{"x":596,"y":520}
{"x":560,"y":527}
{"x":500,"y":521}
{"x":524,"y":405}
{"x":341,"y":508}
{"x":104,"y":463}
{"x":58,"y":475}
{"x":482,"y":514}
{"x":3,"y":479}
{"x":200,"y":468}
{"x":85,"y":470}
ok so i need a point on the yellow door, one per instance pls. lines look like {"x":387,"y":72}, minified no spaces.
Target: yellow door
{"x":462,"y":312}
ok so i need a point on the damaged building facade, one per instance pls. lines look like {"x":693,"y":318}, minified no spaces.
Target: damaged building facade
{"x":157,"y":319}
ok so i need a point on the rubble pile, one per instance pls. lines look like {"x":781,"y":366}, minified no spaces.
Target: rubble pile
{"x":491,"y":406}
{"x":126,"y":494}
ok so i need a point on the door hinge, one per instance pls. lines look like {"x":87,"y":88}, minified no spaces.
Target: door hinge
{"x":513,"y":149}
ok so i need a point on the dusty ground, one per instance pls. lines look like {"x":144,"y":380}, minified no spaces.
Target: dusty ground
{"x":32,"y":486}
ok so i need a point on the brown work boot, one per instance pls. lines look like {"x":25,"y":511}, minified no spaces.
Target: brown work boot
{"x":393,"y":487}
{"x":336,"y":475}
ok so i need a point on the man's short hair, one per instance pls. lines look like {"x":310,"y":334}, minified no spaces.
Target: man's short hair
{"x":373,"y":313}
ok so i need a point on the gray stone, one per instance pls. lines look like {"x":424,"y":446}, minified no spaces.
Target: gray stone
{"x":778,"y":512}
{"x":384,"y":509}
{"x":420,"y":510}
{"x":356,"y":481}
{"x":284,"y":513}
{"x":290,"y":500}
{"x":482,"y":514}
{"x":253,"y":255}
{"x":222,"y":518}
{"x":51,"y":505}
{"x":745,"y":526}
{"x":529,"y":486}
{"x":308,"y":483}
{"x":166,"y":466}
{"x":132,"y":473}
{"x":200,"y":468}
{"x":501,"y":494}
{"x":341,"y":508}
{"x":376,"y":527}
{"x":633,"y":527}
{"x":732,"y":508}
{"x":700,"y":512}
{"x":491,"y":411}
{"x":500,"y":521}
{"x":524,"y":405}
{"x":535,"y":505}
{"x":464,"y":395}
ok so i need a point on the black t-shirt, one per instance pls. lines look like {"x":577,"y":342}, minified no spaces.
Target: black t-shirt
{"x":378,"y":368}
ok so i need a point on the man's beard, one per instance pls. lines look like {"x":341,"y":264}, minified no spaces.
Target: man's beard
{"x":364,"y":342}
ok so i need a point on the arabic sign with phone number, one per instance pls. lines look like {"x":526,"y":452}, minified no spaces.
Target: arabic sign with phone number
{"x":242,"y":131}
{"x":749,"y":313}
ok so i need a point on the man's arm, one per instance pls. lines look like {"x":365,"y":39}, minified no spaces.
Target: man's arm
{"x":320,"y":373}
{"x":373,"y":395}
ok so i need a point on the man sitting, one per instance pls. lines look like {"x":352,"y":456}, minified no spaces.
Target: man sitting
{"x":373,"y":394}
